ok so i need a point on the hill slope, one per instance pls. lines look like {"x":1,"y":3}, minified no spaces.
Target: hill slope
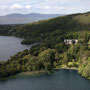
{"x":60,"y":25}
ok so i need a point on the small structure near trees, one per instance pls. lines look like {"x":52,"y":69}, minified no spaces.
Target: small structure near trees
{"x":70,"y":41}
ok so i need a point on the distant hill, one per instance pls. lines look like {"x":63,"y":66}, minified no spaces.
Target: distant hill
{"x":17,"y":18}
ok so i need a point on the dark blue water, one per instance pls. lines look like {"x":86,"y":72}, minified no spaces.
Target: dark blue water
{"x":10,"y":46}
{"x":60,"y":80}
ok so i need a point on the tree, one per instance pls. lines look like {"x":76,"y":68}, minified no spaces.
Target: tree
{"x":46,"y":59}
{"x":59,"y":47}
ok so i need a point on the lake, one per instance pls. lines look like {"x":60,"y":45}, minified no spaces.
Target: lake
{"x":60,"y":80}
{"x":10,"y":46}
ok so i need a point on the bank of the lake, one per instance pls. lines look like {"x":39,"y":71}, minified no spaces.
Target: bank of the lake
{"x":41,"y":72}
{"x":28,"y":73}
{"x":37,"y":73}
{"x":33,"y":73}
{"x":66,"y":67}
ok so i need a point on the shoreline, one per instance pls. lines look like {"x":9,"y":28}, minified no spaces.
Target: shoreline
{"x":42,"y":72}
{"x":65,"y":67}
{"x":36,"y":73}
{"x":32,"y":73}
{"x":68,"y":68}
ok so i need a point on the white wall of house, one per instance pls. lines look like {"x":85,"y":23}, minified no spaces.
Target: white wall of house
{"x":70,"y":41}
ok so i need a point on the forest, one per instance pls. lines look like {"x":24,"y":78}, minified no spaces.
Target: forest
{"x":50,"y":52}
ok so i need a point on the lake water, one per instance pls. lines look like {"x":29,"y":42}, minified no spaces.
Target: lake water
{"x":10,"y":46}
{"x":60,"y":80}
